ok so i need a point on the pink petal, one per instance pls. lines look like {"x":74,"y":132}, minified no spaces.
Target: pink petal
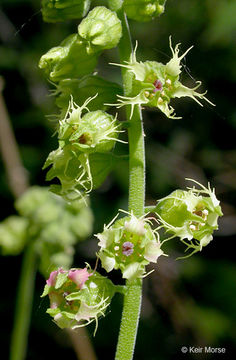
{"x":79,"y":276}
{"x":51,"y":281}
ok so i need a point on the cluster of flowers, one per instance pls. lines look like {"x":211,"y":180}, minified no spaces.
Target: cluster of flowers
{"x":130,"y":244}
{"x":51,"y":224}
{"x":83,"y":158}
{"x":87,"y":135}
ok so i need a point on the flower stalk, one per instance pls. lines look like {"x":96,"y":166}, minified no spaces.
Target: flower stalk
{"x":23,"y":305}
{"x":133,"y":296}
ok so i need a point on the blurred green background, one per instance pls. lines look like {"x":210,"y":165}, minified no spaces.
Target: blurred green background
{"x":186,"y":303}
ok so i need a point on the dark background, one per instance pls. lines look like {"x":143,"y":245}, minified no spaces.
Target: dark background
{"x":186,"y":303}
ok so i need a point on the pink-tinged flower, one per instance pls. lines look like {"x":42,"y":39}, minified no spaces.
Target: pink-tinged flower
{"x":51,"y":281}
{"x":79,"y":276}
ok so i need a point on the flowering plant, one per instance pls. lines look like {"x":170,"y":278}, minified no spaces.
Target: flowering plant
{"x":88,"y":132}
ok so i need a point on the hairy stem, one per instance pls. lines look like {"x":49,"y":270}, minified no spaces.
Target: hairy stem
{"x":133,"y":296}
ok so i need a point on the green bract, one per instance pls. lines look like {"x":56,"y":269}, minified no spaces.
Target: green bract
{"x":69,"y":60}
{"x":77,"y":297}
{"x":79,"y":137}
{"x":143,"y":10}
{"x":191,"y":215}
{"x":155,"y":84}
{"x":129,"y":244}
{"x":101,"y":29}
{"x":61,"y":10}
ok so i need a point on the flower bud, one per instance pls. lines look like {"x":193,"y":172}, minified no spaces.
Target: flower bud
{"x":101,"y":29}
{"x":129,"y":244}
{"x":68,"y":60}
{"x":61,"y":10}
{"x":155,"y":84}
{"x":77,"y":297}
{"x":190,"y":215}
{"x":143,"y":10}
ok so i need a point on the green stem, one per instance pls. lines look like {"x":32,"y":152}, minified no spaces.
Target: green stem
{"x":23,"y":305}
{"x":133,"y":296}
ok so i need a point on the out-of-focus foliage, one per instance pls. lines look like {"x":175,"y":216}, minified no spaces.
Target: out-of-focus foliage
{"x":53,"y":225}
{"x":188,"y":303}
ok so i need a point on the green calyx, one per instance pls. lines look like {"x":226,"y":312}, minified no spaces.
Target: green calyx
{"x":143,"y":10}
{"x":101,"y":29}
{"x":61,"y":10}
{"x":129,"y":245}
{"x":155,"y":84}
{"x":78,"y":297}
{"x":191,"y":215}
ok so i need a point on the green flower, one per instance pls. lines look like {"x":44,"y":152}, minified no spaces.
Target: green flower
{"x":77,"y":297}
{"x":84,"y":140}
{"x":95,"y":131}
{"x":143,"y":10}
{"x":191,"y":215}
{"x":101,"y":29}
{"x":61,"y":10}
{"x":68,"y":60}
{"x":129,"y":245}
{"x":155,"y":84}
